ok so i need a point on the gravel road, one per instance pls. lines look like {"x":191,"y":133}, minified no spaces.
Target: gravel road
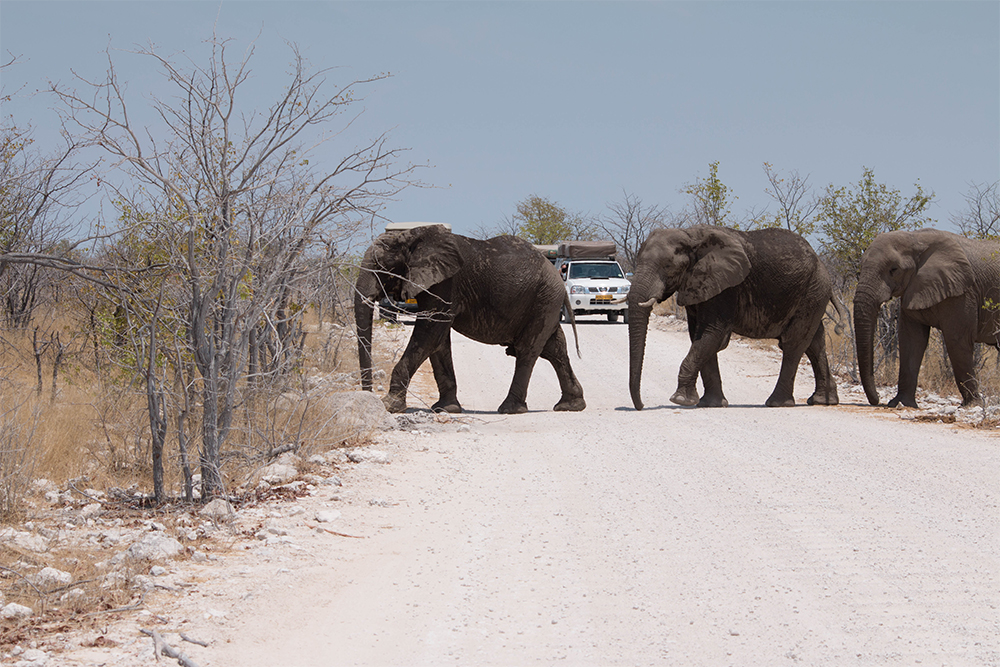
{"x":671,"y":536}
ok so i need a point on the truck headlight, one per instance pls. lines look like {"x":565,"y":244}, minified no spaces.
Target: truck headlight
{"x":577,"y":289}
{"x":623,"y":290}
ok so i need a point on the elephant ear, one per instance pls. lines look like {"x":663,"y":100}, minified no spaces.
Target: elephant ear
{"x":720,"y":262}
{"x":434,"y":257}
{"x":943,"y":270}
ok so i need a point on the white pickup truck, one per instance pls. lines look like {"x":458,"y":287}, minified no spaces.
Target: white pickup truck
{"x":594,"y":279}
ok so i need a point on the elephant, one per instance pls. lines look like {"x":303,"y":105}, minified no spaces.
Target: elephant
{"x":945,"y":281}
{"x":500,"y":291}
{"x":767,"y":283}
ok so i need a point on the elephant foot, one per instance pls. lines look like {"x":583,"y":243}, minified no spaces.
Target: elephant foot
{"x":685,"y":396}
{"x":570,"y":405}
{"x":713,"y":402}
{"x":451,"y":407}
{"x":779,"y":402}
{"x":395,"y":404}
{"x":512,"y":407}
{"x":973,"y":402}
{"x":904,"y":401}
{"x":829,"y":398}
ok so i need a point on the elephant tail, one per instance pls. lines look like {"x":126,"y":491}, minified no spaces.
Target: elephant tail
{"x":572,"y":321}
{"x":838,"y":325}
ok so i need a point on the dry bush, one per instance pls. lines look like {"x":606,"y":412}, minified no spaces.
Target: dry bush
{"x":18,"y":456}
{"x":98,"y":425}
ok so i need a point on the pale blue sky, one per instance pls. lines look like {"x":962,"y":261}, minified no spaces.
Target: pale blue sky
{"x":578,"y":101}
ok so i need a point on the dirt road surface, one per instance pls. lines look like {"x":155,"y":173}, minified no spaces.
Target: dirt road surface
{"x":670,"y":536}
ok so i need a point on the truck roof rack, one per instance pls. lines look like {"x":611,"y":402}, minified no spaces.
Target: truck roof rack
{"x":403,"y":226}
{"x":587,"y":249}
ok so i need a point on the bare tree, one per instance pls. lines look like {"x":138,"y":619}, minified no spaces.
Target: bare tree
{"x":628,"y":223}
{"x":508,"y":226}
{"x":981,"y":218}
{"x":37,"y":194}
{"x":797,"y":206}
{"x":230,"y":202}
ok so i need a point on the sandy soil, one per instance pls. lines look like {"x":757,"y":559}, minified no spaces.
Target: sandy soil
{"x":671,"y":536}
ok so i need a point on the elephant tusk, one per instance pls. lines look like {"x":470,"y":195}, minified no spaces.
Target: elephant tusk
{"x":648,"y":304}
{"x":620,"y":300}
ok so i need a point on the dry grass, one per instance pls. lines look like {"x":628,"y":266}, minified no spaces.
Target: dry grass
{"x":93,"y":433}
{"x":95,"y":425}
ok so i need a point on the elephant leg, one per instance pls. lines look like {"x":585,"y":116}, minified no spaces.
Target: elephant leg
{"x":426,"y":339}
{"x":782,"y":396}
{"x":702,"y":355}
{"x":517,"y":397}
{"x":557,"y":354}
{"x":961,"y":352}
{"x":826,"y":386}
{"x":799,"y":335}
{"x":444,"y":376}
{"x":711,"y":378}
{"x":912,"y":345}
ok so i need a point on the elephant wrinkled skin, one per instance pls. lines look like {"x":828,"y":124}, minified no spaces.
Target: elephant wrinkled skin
{"x":760,"y":284}
{"x":945,"y":281}
{"x":500,"y":292}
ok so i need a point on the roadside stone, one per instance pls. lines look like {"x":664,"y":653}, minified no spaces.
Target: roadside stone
{"x":33,"y":657}
{"x":282,"y":471}
{"x":335,"y":456}
{"x":91,"y":511}
{"x":327,"y":516}
{"x":356,"y":413}
{"x":44,"y":486}
{"x":360,"y":455}
{"x":16,"y":612}
{"x":50,"y":577}
{"x":218,"y":510}
{"x":25,"y":540}
{"x":278,"y":473}
{"x":142,"y":582}
{"x":275,"y":529}
{"x":154,"y":546}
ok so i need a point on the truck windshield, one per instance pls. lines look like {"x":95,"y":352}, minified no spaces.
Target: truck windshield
{"x":595,"y":270}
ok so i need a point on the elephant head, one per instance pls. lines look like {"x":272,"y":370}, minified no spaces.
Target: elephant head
{"x":400,"y":265}
{"x":922,"y":267}
{"x":696,"y":263}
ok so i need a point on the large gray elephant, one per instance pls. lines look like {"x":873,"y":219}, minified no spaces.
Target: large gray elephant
{"x":945,"y":281}
{"x":500,"y":292}
{"x":760,"y":284}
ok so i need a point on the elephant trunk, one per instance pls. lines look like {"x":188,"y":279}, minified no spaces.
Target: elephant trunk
{"x":866,"y":307}
{"x":638,"y":322}
{"x":640,"y":304}
{"x":366,"y":291}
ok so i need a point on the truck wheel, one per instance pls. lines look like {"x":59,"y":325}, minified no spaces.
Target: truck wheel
{"x":563,"y":315}
{"x":625,"y":316}
{"x":613,"y":317}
